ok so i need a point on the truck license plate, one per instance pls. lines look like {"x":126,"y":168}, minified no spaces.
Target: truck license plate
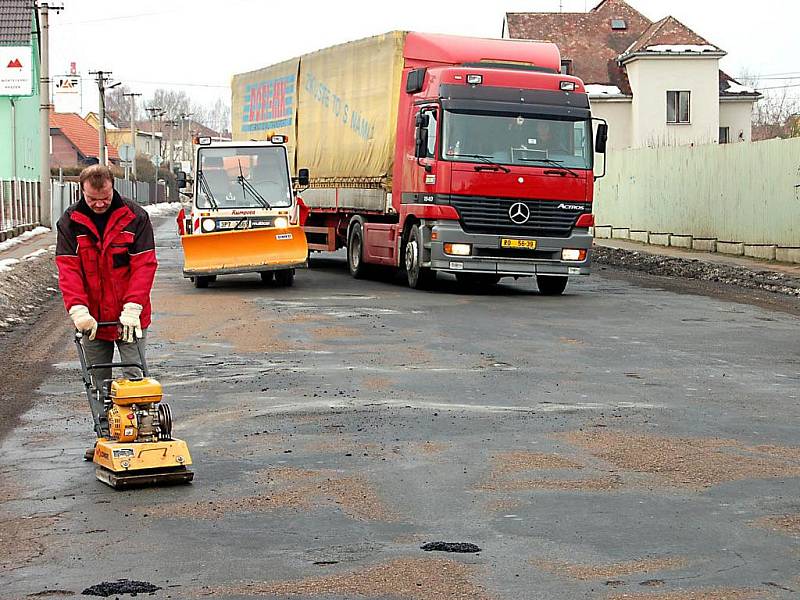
{"x":510,"y":243}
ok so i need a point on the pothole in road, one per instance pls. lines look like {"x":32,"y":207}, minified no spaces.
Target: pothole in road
{"x":457,"y":547}
{"x":121,"y":586}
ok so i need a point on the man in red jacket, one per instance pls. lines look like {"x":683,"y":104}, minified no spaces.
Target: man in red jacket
{"x":106,"y":261}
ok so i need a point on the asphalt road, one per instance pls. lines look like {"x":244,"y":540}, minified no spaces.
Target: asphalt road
{"x":621,"y":441}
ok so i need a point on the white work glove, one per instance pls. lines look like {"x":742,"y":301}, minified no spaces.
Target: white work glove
{"x":83,"y":320}
{"x":131,"y":325}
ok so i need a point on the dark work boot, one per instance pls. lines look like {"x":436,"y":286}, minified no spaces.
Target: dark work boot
{"x":89,"y":454}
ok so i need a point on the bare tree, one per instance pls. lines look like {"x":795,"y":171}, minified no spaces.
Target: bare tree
{"x":172,"y":102}
{"x":775,"y":115}
{"x":118,"y":106}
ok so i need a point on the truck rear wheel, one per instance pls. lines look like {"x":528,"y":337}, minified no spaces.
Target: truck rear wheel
{"x":551,"y":285}
{"x":266,"y":276}
{"x":419,"y":277}
{"x":355,"y":252}
{"x":201,"y":281}
{"x":284,"y":277}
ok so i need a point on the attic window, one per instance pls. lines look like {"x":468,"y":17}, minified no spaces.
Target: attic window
{"x":566,"y":66}
{"x":618,"y":24}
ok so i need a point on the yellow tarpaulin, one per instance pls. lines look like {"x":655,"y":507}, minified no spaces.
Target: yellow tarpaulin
{"x":347,"y":112}
{"x":264,"y":102}
{"x":338,"y":106}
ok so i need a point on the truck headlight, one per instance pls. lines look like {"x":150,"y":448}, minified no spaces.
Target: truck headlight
{"x":281,"y":222}
{"x":208,"y":225}
{"x":573,"y":254}
{"x":458,"y":249}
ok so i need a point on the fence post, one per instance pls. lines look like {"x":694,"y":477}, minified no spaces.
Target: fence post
{"x":2,"y":205}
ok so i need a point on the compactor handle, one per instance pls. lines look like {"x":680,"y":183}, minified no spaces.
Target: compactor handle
{"x":86,"y":367}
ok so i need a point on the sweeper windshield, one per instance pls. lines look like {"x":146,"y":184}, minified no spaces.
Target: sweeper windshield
{"x":246,"y":177}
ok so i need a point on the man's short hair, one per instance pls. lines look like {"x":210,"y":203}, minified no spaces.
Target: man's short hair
{"x":96,"y":175}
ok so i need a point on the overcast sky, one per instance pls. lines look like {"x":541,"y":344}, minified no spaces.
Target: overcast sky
{"x":164,"y":43}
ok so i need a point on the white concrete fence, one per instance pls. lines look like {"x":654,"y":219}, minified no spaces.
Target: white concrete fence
{"x":735,"y":198}
{"x":19,"y":207}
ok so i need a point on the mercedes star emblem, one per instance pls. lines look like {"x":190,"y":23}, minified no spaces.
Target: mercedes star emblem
{"x":519,"y":213}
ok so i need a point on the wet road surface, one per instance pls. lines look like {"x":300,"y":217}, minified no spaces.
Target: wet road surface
{"x":618,"y":442}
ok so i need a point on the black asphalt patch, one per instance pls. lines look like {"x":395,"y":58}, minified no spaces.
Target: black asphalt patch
{"x":121,"y":586}
{"x":461,"y":547}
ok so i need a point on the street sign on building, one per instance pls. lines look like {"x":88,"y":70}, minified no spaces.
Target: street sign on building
{"x":16,"y":71}
{"x":67,"y":84}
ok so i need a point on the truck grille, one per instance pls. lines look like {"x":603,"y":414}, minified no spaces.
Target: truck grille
{"x":548,"y":218}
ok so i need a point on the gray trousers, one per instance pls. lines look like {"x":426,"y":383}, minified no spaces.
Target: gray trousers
{"x":102,"y":351}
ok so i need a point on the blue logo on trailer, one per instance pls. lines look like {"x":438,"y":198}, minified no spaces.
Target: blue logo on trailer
{"x":269,"y":104}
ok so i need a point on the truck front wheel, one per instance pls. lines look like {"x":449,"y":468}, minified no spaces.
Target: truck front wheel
{"x":201,"y":281}
{"x":419,"y":277}
{"x":551,"y":285}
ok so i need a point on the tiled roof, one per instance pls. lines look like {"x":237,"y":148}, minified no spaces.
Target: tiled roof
{"x":741,"y":91}
{"x":82,"y":135}
{"x":16,"y":20}
{"x":670,"y":32}
{"x":586,"y":39}
{"x":595,"y":47}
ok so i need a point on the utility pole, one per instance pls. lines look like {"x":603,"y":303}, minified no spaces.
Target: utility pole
{"x":103,"y":78}
{"x":45,"y":206}
{"x":154,"y":111}
{"x":133,"y":130}
{"x":183,"y":117}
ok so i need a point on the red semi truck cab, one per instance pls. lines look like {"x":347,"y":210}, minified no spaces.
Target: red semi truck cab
{"x":436,"y":153}
{"x":494,"y":166}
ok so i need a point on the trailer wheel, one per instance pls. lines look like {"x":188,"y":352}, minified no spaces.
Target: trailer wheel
{"x":355,"y":252}
{"x":419,"y":277}
{"x":284,"y":277}
{"x":551,"y":285}
{"x":266,"y":276}
{"x":201,"y":281}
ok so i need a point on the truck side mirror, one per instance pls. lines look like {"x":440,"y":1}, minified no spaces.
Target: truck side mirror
{"x":602,"y":138}
{"x":303,"y":177}
{"x":180,"y":179}
{"x":421,"y":143}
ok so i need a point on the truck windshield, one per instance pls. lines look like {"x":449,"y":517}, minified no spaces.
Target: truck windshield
{"x":524,"y":140}
{"x":244,"y":177}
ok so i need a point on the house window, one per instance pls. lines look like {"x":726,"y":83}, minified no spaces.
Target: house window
{"x":724,"y":135}
{"x":618,"y":24}
{"x":566,"y":67}
{"x":678,"y":107}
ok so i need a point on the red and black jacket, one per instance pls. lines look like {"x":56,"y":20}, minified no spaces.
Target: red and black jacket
{"x":104,"y":274}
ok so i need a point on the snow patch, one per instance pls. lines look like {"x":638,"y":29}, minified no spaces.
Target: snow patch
{"x":34,"y":255}
{"x":682,"y":48}
{"x":595,"y":89}
{"x":163,"y":208}
{"x":7,"y":264}
{"x":738,"y":88}
{"x":23,"y":237}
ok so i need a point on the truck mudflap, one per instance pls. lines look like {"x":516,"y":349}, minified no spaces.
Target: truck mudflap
{"x":245,"y":251}
{"x":488,"y":254}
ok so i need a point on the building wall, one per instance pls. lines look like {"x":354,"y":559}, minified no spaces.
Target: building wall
{"x":732,"y":192}
{"x":651,"y":78}
{"x":27,"y":131}
{"x":62,"y":152}
{"x":737,"y":114}
{"x":618,"y":115}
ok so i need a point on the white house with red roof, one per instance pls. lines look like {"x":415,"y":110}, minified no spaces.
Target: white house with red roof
{"x":656,"y":83}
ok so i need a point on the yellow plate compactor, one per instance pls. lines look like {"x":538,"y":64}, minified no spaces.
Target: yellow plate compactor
{"x":139,"y":449}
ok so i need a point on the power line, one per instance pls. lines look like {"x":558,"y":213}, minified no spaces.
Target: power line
{"x":208,"y":85}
